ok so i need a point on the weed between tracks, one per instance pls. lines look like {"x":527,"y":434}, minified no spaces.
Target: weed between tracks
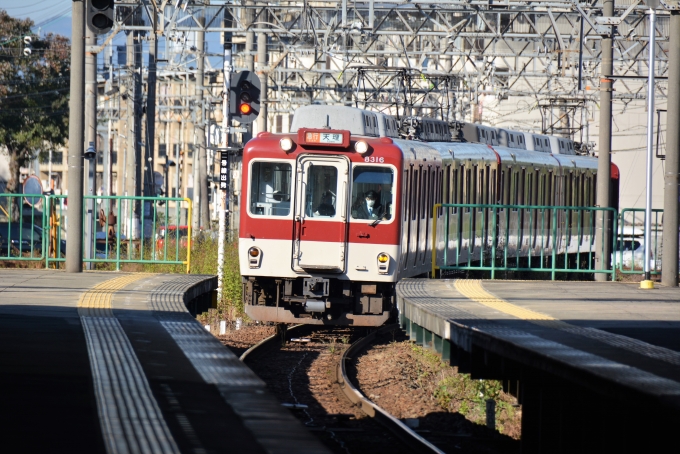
{"x":409,"y":381}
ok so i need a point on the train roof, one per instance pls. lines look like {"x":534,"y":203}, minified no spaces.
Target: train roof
{"x":463,"y":150}
{"x":358,"y":122}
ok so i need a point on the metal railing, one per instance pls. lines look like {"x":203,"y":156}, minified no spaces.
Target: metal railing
{"x":22,"y":238}
{"x":495,"y":238}
{"x":124,"y":230}
{"x":629,"y":255}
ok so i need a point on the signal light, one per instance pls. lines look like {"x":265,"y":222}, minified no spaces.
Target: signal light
{"x":244,"y":97}
{"x":245,"y":109}
{"x":100,"y":16}
{"x":27,"y":45}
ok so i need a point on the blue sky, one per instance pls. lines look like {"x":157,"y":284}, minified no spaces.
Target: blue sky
{"x":51,"y":15}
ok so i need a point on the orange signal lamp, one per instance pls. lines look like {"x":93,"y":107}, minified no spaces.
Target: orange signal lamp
{"x":245,"y":109}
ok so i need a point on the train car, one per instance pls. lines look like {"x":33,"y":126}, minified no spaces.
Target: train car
{"x":388,"y":126}
{"x":335,"y":215}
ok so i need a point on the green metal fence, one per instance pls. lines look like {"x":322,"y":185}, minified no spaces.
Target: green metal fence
{"x":124,"y":230}
{"x":629,"y":255}
{"x":520,"y":238}
{"x":22,"y":227}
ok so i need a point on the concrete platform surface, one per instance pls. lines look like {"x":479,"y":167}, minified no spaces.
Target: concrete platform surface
{"x":113,"y":362}
{"x":595,"y":366}
{"x":613,"y":331}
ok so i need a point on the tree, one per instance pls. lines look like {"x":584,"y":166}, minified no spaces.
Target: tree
{"x":34,"y":89}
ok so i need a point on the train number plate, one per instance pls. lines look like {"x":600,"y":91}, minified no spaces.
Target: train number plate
{"x":322,"y":137}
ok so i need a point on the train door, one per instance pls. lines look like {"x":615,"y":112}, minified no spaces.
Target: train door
{"x":320,"y":223}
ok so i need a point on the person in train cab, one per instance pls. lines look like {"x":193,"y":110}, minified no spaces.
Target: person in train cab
{"x":326,"y":207}
{"x":370,"y":208}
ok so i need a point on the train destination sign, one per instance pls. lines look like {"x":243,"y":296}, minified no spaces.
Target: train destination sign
{"x":323,"y":137}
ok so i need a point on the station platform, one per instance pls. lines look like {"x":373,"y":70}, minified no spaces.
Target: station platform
{"x":595,"y":365}
{"x":102,"y":362}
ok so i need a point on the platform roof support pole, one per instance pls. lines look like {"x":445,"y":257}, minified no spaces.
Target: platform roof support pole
{"x":671,"y":196}
{"x":603,"y":239}
{"x":76,"y":134}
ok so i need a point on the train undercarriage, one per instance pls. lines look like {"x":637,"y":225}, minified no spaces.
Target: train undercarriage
{"x":318,"y":301}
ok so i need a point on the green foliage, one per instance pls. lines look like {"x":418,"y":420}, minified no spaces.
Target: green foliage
{"x":204,"y":261}
{"x":459,"y":392}
{"x":33,"y":94}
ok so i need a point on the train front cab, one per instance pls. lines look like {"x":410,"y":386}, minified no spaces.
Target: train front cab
{"x":311,"y":250}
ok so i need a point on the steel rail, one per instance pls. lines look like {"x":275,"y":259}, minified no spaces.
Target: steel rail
{"x":394,"y":425}
{"x":265,"y":344}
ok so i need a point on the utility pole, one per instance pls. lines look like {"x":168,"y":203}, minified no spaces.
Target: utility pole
{"x":671,"y":196}
{"x":90,"y":140}
{"x":603,"y":238}
{"x":262,"y":72}
{"x":108,"y":150}
{"x":133,"y":165}
{"x":250,"y":60}
{"x":200,"y":150}
{"x":149,"y":177}
{"x":74,"y":245}
{"x":222,"y":194}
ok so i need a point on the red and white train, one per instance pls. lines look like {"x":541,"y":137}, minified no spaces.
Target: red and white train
{"x":335,"y":212}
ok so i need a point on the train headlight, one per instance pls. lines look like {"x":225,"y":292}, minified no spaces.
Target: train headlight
{"x":254,"y":257}
{"x":286,"y":144}
{"x":383,"y":263}
{"x":361,"y":147}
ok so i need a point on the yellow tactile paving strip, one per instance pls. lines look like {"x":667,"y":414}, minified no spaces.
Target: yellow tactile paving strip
{"x":473,"y":290}
{"x":96,"y":302}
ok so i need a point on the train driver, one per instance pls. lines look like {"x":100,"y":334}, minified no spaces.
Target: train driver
{"x":370,"y":208}
{"x":327,"y":205}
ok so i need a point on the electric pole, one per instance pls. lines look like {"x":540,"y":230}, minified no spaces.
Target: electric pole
{"x":90,"y":140}
{"x":201,"y":153}
{"x":74,"y":245}
{"x":149,"y":177}
{"x":603,"y":237}
{"x":671,"y":196}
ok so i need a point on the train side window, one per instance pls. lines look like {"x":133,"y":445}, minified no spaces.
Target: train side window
{"x":454,"y":184}
{"x":568,"y":188}
{"x":529,"y":188}
{"x":522,"y":187}
{"x":447,"y":185}
{"x":584,"y":189}
{"x":423,"y":192}
{"x":405,"y":199}
{"x":468,"y":187}
{"x":482,"y":184}
{"x":536,"y":188}
{"x":549,"y":197}
{"x":431,"y":195}
{"x":415,"y":190}
{"x":440,"y":189}
{"x":475,"y":186}
{"x":270,"y":187}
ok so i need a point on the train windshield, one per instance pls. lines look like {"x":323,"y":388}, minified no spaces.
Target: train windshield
{"x":270,"y":188}
{"x":372,"y":192}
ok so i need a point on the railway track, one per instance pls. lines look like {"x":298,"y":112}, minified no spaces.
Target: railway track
{"x":404,"y":438}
